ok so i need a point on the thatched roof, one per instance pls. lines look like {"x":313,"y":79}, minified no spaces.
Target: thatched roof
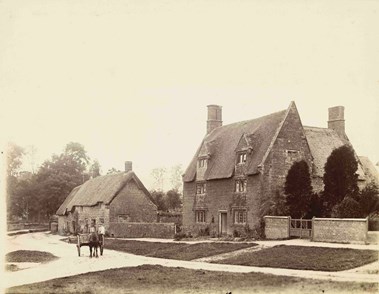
{"x":62,"y":209}
{"x":221,"y":144}
{"x":100,"y":189}
{"x":322,"y":141}
{"x":369,"y":169}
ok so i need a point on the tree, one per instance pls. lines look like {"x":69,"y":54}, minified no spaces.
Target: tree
{"x":173,"y":199}
{"x":347,"y":208}
{"x":57,"y":177}
{"x":274,"y":206}
{"x":94,"y":169}
{"x":315,"y":207}
{"x":298,"y":189}
{"x":159,"y":198}
{"x":113,"y":171}
{"x":369,"y":200}
{"x":14,"y":159}
{"x":176,"y":177}
{"x":340,"y":177}
{"x":14,"y":154}
{"x":158,"y":174}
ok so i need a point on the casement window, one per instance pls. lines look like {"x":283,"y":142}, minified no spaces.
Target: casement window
{"x":200,"y":216}
{"x":240,"y":185}
{"x":240,"y":216}
{"x":241,"y":158}
{"x":202,"y":162}
{"x":201,"y":188}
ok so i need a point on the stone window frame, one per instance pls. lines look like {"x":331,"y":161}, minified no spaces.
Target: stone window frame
{"x":240,"y":185}
{"x":201,"y":188}
{"x":202,"y":162}
{"x":239,"y":216}
{"x":200,"y":216}
{"x":242,"y":157}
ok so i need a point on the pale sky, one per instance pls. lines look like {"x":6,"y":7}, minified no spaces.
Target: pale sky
{"x":130,"y":80}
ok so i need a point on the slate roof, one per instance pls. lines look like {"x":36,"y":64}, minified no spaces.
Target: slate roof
{"x":222,"y":142}
{"x":100,"y":189}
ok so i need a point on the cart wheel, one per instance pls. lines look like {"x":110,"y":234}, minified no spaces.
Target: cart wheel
{"x":77,"y":246}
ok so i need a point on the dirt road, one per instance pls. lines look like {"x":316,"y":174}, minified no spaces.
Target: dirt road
{"x":70,"y":264}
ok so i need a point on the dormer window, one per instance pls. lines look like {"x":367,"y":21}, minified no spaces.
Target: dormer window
{"x":202,"y":162}
{"x":241,"y":185}
{"x":201,"y":188}
{"x":241,"y":158}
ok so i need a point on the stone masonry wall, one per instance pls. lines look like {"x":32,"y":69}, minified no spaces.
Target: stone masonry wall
{"x":290,"y":146}
{"x":220,"y":196}
{"x":277,"y":227}
{"x":142,"y":230}
{"x":339,"y":230}
{"x":133,"y":205}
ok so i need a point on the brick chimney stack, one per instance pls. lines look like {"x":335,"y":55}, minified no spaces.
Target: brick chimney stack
{"x":337,"y":120}
{"x":214,"y":117}
{"x":128,"y":166}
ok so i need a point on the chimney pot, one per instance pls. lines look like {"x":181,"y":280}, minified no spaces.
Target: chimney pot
{"x":128,"y":166}
{"x":214,"y":117}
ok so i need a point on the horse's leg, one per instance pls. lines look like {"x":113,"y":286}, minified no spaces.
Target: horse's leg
{"x":90,"y":251}
{"x":96,"y":248}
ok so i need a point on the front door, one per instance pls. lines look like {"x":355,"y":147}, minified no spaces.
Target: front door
{"x":222,"y":223}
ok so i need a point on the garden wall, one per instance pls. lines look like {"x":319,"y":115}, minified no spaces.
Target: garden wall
{"x":340,"y":230}
{"x":277,"y":227}
{"x":141,"y":230}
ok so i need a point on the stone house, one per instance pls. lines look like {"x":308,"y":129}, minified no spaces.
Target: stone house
{"x":114,"y":198}
{"x":240,"y":166}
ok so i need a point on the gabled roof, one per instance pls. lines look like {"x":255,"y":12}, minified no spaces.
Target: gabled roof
{"x":369,"y":169}
{"x":100,"y":189}
{"x":221,"y":143}
{"x":62,"y":209}
{"x":322,"y":141}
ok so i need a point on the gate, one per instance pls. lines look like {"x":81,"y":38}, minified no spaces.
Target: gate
{"x":301,"y":228}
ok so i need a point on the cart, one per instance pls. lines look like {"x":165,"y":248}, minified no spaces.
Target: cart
{"x":83,"y":240}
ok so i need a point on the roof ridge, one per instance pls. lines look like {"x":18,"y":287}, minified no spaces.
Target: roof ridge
{"x":253,"y":119}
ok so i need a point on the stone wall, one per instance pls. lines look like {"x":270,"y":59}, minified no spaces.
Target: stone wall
{"x":220,"y":196}
{"x":170,"y":217}
{"x":340,"y":230}
{"x":132,"y":205}
{"x":277,"y":227}
{"x":141,"y":230}
{"x":290,"y":146}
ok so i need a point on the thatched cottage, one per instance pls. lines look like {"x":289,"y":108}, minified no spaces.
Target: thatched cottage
{"x":239,"y":166}
{"x":114,"y":198}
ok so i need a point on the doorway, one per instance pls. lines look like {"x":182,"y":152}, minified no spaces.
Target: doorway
{"x":222,"y":223}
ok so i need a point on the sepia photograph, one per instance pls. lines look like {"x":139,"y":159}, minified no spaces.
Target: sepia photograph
{"x":177,"y":146}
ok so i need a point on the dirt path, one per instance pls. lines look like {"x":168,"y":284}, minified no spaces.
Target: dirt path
{"x":70,"y":264}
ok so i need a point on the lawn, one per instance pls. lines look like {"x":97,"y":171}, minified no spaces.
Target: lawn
{"x":305,"y":258}
{"x":158,"y":279}
{"x":29,"y":256}
{"x":180,"y":251}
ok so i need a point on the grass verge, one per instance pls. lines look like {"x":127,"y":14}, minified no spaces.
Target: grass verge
{"x":29,"y":256}
{"x":159,"y":279}
{"x":305,"y":258}
{"x":180,"y":251}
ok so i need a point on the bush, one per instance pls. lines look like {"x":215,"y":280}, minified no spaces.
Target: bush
{"x":204,"y":232}
{"x":348,"y":208}
{"x":179,"y":236}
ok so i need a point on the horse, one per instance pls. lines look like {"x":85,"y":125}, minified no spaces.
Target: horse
{"x":94,"y":243}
